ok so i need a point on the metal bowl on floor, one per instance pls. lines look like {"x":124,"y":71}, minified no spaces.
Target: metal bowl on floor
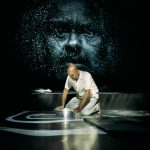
{"x":66,"y":113}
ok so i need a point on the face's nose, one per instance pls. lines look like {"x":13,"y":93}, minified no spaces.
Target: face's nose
{"x":73,"y":45}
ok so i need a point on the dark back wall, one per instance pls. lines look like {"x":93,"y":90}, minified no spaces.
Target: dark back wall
{"x":109,"y":43}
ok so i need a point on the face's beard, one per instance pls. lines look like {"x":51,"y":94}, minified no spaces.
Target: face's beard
{"x":60,"y":64}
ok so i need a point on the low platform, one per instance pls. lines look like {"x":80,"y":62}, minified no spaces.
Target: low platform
{"x":123,"y":122}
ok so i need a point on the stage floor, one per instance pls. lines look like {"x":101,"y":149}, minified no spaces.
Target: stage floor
{"x":45,"y":130}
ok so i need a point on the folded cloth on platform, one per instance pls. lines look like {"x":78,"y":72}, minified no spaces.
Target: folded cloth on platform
{"x":41,"y":90}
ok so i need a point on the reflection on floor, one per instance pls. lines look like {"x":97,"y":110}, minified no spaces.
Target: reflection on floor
{"x":35,"y":123}
{"x":45,"y":130}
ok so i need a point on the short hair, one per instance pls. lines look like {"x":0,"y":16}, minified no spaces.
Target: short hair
{"x":71,"y":65}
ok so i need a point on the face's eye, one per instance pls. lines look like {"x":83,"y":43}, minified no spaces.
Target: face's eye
{"x":60,"y":32}
{"x":86,"y":30}
{"x":88,"y":34}
{"x":58,"y":28}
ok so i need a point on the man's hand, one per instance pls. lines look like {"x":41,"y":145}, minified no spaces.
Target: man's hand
{"x":59,"y":108}
{"x":77,"y":109}
{"x":83,"y":102}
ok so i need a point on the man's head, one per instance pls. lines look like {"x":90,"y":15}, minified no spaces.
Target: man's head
{"x":73,"y":72}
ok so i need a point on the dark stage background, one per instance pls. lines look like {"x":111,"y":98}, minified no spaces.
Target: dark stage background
{"x":125,"y":24}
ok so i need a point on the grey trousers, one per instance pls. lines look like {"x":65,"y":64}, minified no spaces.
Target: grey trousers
{"x":92,"y":107}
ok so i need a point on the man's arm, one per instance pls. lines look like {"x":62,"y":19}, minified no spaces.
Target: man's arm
{"x":64,"y":97}
{"x":83,"y":102}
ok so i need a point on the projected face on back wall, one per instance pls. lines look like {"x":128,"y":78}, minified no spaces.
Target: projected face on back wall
{"x":59,"y":32}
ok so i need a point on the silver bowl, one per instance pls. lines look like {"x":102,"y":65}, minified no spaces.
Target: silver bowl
{"x":66,"y":113}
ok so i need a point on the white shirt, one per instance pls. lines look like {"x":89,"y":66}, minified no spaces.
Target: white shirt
{"x":84,"y":82}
